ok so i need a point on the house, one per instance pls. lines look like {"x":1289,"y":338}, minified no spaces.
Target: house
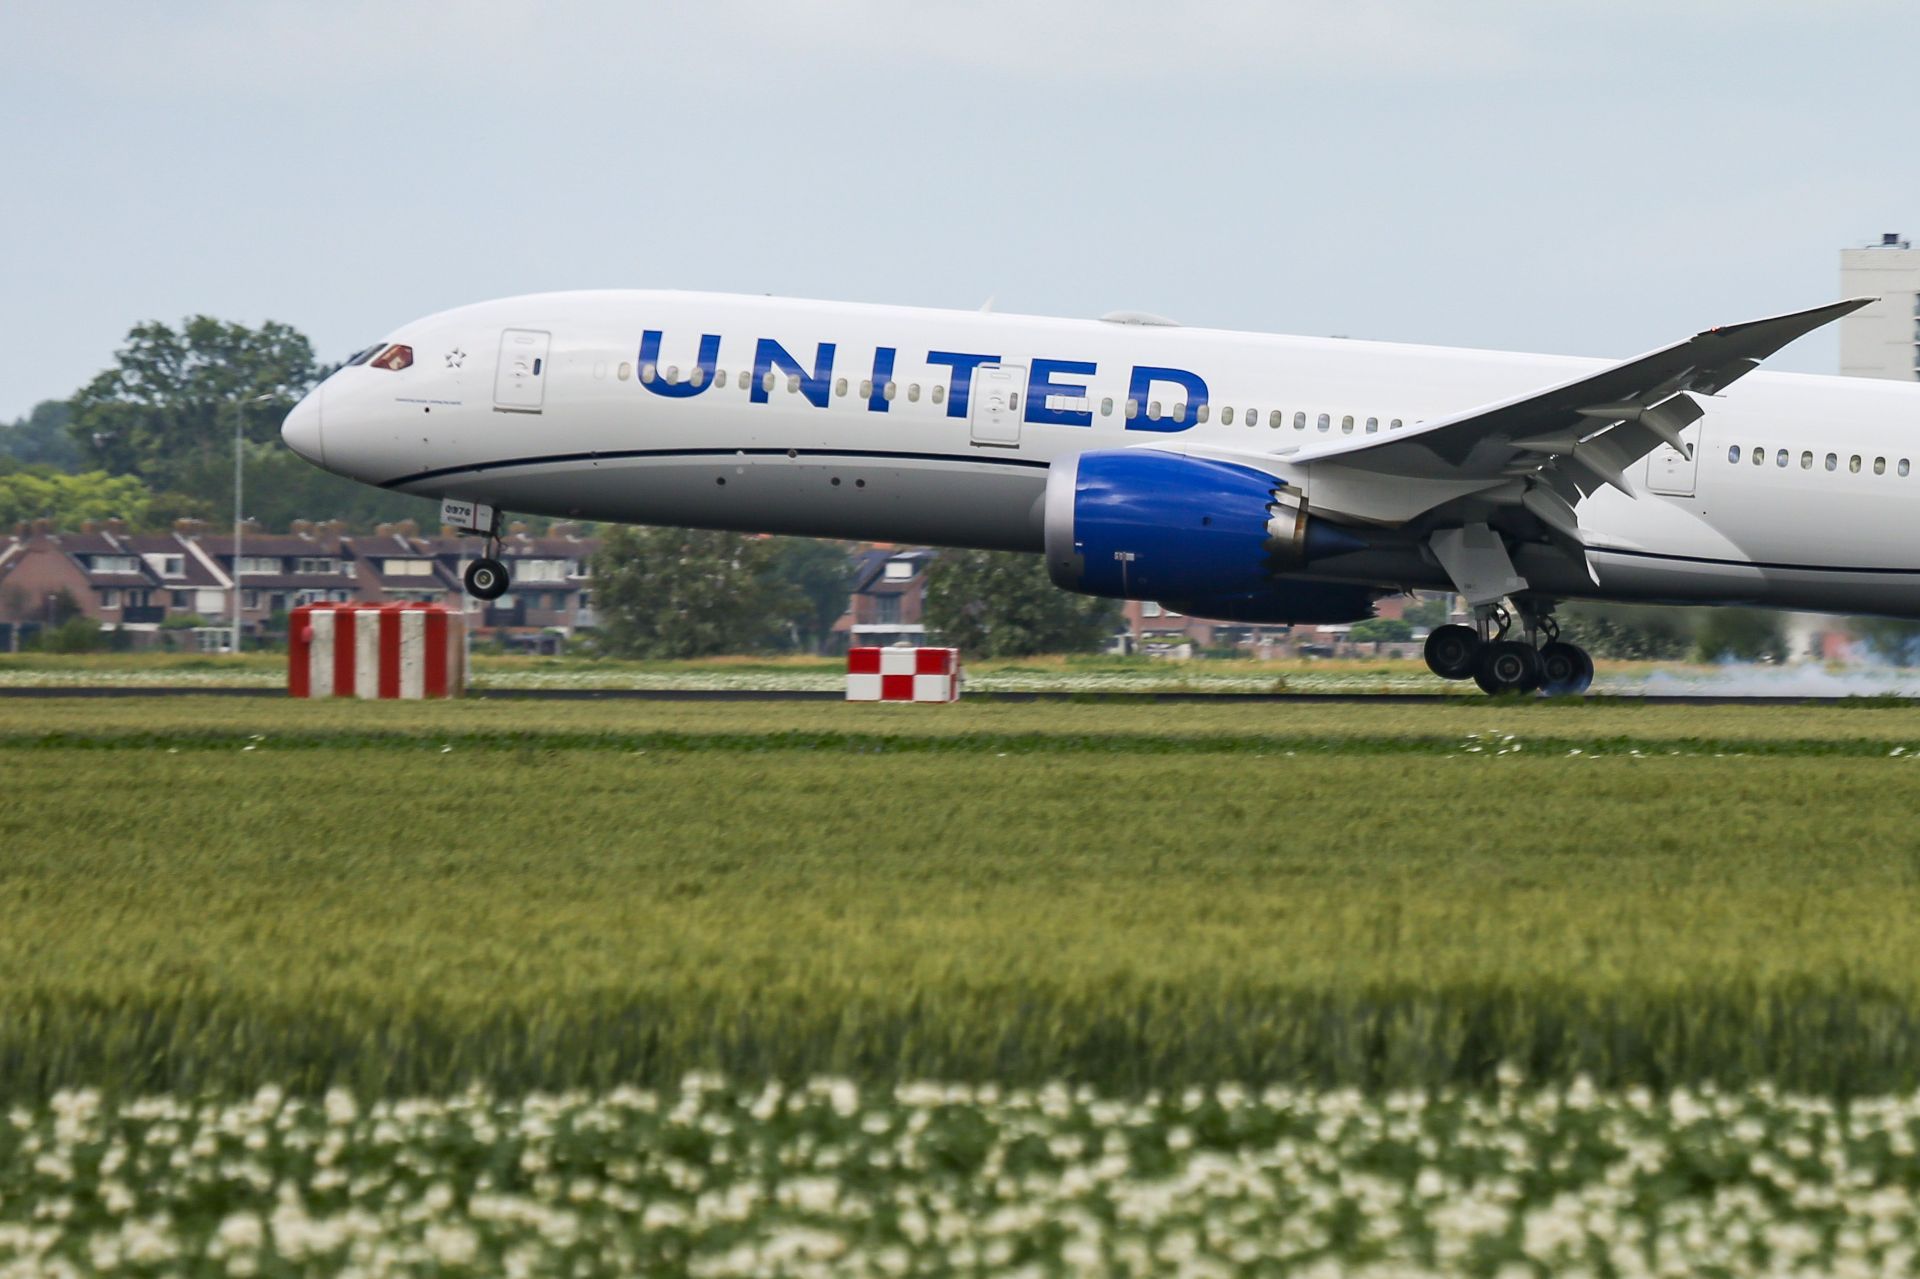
{"x":550,"y":589}
{"x":131,"y":584}
{"x":888,"y":593}
{"x":278,"y":572}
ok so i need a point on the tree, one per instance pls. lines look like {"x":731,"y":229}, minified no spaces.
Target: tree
{"x":42,"y":438}
{"x":821,"y":574}
{"x":1376,"y":630}
{"x":664,"y":592}
{"x":1002,"y":604}
{"x":1890,"y":639}
{"x":167,"y":408}
{"x":1629,"y":632}
{"x":1430,"y":612}
{"x":66,"y":500}
{"x":1741,"y":635}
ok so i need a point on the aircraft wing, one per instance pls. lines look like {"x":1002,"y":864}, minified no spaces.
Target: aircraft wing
{"x":1568,"y":439}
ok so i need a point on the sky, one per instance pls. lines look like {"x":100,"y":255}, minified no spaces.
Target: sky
{"x":1571,"y":177}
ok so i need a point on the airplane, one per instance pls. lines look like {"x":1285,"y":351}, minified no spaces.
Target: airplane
{"x":1230,"y":475}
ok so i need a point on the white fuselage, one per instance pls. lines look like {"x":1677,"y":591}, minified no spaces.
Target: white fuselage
{"x":937,"y":427}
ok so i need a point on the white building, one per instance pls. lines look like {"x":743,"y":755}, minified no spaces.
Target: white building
{"x":1882,"y":340}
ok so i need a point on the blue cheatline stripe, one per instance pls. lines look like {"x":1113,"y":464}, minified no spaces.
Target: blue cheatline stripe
{"x":623,"y":454}
{"x":1763,"y":564}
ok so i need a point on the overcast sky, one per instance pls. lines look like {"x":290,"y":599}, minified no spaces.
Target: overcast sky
{"x":1597,"y":178}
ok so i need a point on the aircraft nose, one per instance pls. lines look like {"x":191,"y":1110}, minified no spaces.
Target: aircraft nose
{"x":301,"y":430}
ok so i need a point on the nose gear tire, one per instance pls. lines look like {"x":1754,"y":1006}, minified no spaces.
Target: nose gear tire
{"x":1453,"y":651}
{"x":1507,"y":666}
{"x":486,"y":579}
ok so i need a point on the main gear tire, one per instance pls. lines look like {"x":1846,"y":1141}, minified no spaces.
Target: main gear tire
{"x":1507,"y":666}
{"x":1453,"y":652}
{"x":1565,"y":669}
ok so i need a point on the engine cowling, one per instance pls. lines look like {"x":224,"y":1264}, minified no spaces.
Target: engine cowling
{"x":1142,"y":524}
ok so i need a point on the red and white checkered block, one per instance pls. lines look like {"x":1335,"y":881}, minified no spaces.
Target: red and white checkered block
{"x":903,"y":674}
{"x":376,"y":650}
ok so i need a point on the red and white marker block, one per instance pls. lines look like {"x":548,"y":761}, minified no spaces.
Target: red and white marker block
{"x":376,"y":650}
{"x":903,"y":674}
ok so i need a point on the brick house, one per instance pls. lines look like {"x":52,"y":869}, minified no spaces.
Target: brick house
{"x":888,"y":594}
{"x":130,"y":584}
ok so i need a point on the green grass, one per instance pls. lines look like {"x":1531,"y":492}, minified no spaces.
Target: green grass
{"x":204,"y":894}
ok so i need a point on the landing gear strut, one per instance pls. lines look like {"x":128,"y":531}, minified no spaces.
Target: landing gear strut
{"x":1483,"y":653}
{"x":486,"y":577}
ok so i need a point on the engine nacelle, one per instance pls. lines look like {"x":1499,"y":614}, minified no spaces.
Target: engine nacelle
{"x":1145,"y":525}
{"x":1286,"y":602}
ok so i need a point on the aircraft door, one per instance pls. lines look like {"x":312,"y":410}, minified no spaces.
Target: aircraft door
{"x":995,"y":405}
{"x":520,"y":383}
{"x":1672,"y":472}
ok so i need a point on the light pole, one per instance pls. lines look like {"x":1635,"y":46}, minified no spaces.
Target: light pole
{"x":239,"y":430}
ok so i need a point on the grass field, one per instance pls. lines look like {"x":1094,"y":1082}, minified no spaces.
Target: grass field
{"x":407,"y":898}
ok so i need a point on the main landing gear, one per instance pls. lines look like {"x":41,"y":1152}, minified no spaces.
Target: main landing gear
{"x":1541,"y":662}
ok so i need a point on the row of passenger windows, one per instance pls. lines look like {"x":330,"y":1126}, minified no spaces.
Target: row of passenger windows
{"x":1783,"y":457}
{"x":937,"y":394}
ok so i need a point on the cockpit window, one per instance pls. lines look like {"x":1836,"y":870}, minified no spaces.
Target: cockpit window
{"x":394,"y":358}
{"x":361,"y":357}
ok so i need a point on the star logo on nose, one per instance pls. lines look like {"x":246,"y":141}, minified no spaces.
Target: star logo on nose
{"x":456,"y":357}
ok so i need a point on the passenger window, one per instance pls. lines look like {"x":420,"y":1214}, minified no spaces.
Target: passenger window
{"x":720,"y":378}
{"x":1806,"y":461}
{"x":840,"y":386}
{"x":1325,"y":421}
{"x":673,"y":375}
{"x":1903,"y":466}
{"x":1106,"y":407}
{"x":1832,"y":461}
{"x":889,"y":391}
{"x":913,"y":392}
{"x":1759,"y":457}
{"x":793,"y":383}
{"x":938,"y":394}
{"x":866,"y":388}
{"x":1346,"y":425}
{"x":1013,"y":401}
{"x":1200,"y":414}
{"x":1275,"y":418}
{"x":1733,"y":453}
{"x":1780,"y":459}
{"x":1153,"y":410}
{"x":698,"y":377}
{"x":1179,"y":413}
{"x":1133,"y":408}
{"x":1299,"y":421}
{"x":1394,"y":425}
{"x":1226,"y":416}
{"x":1373,"y":425}
{"x":1854,"y":465}
{"x":646,"y":374}
{"x":626,"y":370}
{"x":1879,"y":466}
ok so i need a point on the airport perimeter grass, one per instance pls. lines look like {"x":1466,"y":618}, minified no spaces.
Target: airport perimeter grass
{"x":210,"y":894}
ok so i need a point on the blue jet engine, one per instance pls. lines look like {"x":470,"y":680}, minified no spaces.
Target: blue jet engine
{"x":1210,"y":538}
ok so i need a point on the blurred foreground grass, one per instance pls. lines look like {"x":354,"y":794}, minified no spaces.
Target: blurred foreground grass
{"x":403,"y":898}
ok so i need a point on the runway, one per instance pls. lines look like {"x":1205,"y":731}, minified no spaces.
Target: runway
{"x":1118,"y":699}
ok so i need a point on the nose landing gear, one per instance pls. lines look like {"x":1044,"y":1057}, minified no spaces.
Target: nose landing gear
{"x":1541,"y":662}
{"x":486,"y":578}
